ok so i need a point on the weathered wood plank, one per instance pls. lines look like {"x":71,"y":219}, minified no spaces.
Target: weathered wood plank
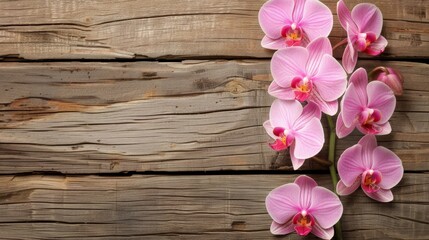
{"x":171,"y":207}
{"x":191,"y":116}
{"x":98,"y":29}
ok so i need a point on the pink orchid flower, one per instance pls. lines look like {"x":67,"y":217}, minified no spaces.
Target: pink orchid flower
{"x":293,"y":22}
{"x":304,"y":207}
{"x":299,"y":128}
{"x":309,"y":74}
{"x":363,"y":25}
{"x":375,"y":169}
{"x":365,"y":106}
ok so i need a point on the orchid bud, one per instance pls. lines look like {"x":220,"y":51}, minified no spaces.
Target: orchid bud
{"x":390,"y":77}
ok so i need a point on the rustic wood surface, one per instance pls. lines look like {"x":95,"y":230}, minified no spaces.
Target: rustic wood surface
{"x":190,"y":116}
{"x":156,"y":136}
{"x":104,"y":29}
{"x":188,"y":207}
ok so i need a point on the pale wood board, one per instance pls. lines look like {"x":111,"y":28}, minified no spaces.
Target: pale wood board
{"x":184,"y":207}
{"x":101,"y":29}
{"x":148,"y":116}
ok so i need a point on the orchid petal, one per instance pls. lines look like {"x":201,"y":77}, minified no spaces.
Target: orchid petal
{"x":341,"y":129}
{"x":389,"y":165}
{"x":384,"y":129}
{"x":317,"y":20}
{"x":298,"y":10}
{"x":317,"y":49}
{"x":327,"y":107}
{"x":281,"y":229}
{"x":274,"y":15}
{"x":349,"y":59}
{"x":330,"y":108}
{"x":360,"y":80}
{"x":284,"y":113}
{"x":306,"y":184}
{"x":271,"y":43}
{"x":352,"y":106}
{"x":322,"y":233}
{"x":377,"y":47}
{"x":382,"y":195}
{"x":381,"y":97}
{"x":309,"y":139}
{"x":283,"y":202}
{"x":368,"y":18}
{"x":287,"y":64}
{"x":326,"y":207}
{"x":368,"y":143}
{"x":283,"y":93}
{"x":345,"y":17}
{"x":343,"y":190}
{"x":331,"y":80}
{"x":296,"y":162}
{"x":310,"y":111}
{"x":350,"y":165}
{"x":269,"y":128}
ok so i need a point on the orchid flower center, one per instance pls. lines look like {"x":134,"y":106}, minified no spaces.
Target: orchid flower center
{"x":364,"y":40}
{"x":292,"y":34}
{"x":368,"y":118}
{"x":303,"y":222}
{"x":302,"y":88}
{"x":284,"y":139}
{"x":370,"y":180}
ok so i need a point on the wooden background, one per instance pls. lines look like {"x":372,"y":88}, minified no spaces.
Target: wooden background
{"x":142,"y":119}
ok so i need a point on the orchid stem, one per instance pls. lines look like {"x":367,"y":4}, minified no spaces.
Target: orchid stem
{"x":322,"y":161}
{"x":331,"y":158}
{"x":342,"y":42}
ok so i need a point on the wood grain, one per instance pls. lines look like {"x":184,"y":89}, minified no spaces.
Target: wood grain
{"x":184,"y":207}
{"x":101,"y":29}
{"x":150,"y":116}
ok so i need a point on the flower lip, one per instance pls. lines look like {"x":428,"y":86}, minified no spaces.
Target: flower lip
{"x":284,"y":140}
{"x":293,"y":35}
{"x":303,"y":223}
{"x":364,"y":40}
{"x":302,"y":88}
{"x":371,"y":180}
{"x":369,"y":119}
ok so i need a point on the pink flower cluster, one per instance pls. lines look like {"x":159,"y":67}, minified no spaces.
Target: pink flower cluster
{"x":309,"y":81}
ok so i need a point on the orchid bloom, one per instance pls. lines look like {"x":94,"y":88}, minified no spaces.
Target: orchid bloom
{"x":309,"y":74}
{"x":375,"y":168}
{"x":363,"y":25}
{"x":293,"y":22}
{"x":304,"y":207}
{"x":299,"y":128}
{"x":366,"y":106}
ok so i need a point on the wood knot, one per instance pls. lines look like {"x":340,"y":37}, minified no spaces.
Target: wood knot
{"x":236,"y":86}
{"x":238,"y":225}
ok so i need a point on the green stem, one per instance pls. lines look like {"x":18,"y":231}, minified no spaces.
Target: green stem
{"x":331,"y":158}
{"x":342,"y":42}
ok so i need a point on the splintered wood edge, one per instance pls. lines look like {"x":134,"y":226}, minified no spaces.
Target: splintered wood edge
{"x":116,"y":117}
{"x":213,"y":206}
{"x":166,"y":30}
